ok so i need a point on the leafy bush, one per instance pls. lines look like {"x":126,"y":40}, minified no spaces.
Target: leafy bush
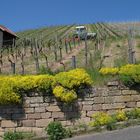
{"x":44,"y":70}
{"x":56,"y":131}
{"x":127,"y":80}
{"x":133,"y":114}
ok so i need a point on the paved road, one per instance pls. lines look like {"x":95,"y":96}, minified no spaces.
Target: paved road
{"x":132,"y":133}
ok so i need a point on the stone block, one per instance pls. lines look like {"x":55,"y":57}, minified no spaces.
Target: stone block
{"x":114,"y":93}
{"x":87,"y":102}
{"x":28,"y":123}
{"x":24,"y":129}
{"x":53,"y":108}
{"x":46,"y":115}
{"x":27,"y":100}
{"x":8,"y":124}
{"x":29,"y":110}
{"x":19,"y":116}
{"x":135,"y":98}
{"x":40,"y":109}
{"x":98,"y":100}
{"x":9,"y":129}
{"x":35,"y":105}
{"x":87,"y":107}
{"x":131,"y":104}
{"x":44,"y":104}
{"x":34,"y":116}
{"x":36,"y":100}
{"x":97,"y":107}
{"x":1,"y":134}
{"x":39,"y":131}
{"x":126,"y":92}
{"x":138,"y":104}
{"x":43,"y":122}
{"x":113,"y":106}
{"x":118,"y":99}
{"x":134,"y":92}
{"x":58,"y":115}
{"x":122,"y":99}
{"x":113,"y":83}
{"x":109,"y":99}
{"x":83,"y":113}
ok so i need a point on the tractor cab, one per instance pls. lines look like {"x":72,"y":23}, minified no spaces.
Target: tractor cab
{"x":80,"y":32}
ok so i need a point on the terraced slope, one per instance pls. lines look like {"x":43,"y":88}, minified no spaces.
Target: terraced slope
{"x":53,"y":47}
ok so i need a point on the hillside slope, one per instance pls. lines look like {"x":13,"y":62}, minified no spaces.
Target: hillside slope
{"x":53,"y":48}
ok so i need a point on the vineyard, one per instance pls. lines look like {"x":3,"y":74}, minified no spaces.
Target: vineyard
{"x":55,"y":49}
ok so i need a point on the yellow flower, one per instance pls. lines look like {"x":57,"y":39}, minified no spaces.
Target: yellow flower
{"x":109,"y":71}
{"x":121,"y":116}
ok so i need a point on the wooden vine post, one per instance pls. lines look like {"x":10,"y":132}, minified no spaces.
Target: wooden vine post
{"x":12,"y":57}
{"x":22,"y":54}
{"x":1,"y":58}
{"x":73,"y":62}
{"x":74,"y":43}
{"x":131,"y":52}
{"x":66,"y":46}
{"x":55,"y":44}
{"x":60,"y":49}
{"x":86,"y":51}
{"x":43,"y":52}
{"x":34,"y":53}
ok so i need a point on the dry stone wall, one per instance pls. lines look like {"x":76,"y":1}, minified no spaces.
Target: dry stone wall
{"x":37,"y":110}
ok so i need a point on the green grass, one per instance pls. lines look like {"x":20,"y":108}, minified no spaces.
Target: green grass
{"x":97,"y":78}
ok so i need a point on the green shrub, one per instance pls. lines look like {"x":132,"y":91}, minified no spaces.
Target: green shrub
{"x":56,"y":131}
{"x":127,"y":80}
{"x":133,"y":114}
{"x":44,"y":70}
{"x":111,"y":125}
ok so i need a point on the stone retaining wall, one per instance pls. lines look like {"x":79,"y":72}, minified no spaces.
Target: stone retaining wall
{"x":38,"y":111}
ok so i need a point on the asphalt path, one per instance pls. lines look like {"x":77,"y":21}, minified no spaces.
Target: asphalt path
{"x":131,"y":133}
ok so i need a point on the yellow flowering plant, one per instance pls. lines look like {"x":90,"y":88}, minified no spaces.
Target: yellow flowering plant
{"x":63,"y":85}
{"x":100,"y":119}
{"x":73,"y":78}
{"x":129,"y":74}
{"x":109,"y":71}
{"x":121,"y":115}
{"x":64,"y":95}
